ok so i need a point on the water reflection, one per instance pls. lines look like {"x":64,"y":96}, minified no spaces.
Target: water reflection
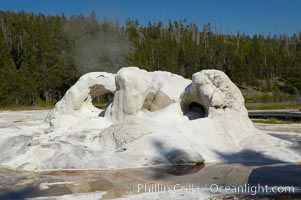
{"x":118,"y":183}
{"x":179,"y":170}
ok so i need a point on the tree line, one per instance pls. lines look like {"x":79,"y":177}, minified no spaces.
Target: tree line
{"x":41,"y":56}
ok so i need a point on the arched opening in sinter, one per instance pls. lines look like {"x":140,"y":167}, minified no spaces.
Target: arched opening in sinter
{"x":103,"y":101}
{"x":101,"y":97}
{"x":196,"y":111}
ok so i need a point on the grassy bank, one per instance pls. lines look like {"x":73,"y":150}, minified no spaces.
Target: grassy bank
{"x":272,"y":106}
{"x":274,"y":121}
{"x":24,"y":107}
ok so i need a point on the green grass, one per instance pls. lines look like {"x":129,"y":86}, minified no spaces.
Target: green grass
{"x":274,"y":121}
{"x":26,"y":107}
{"x":41,"y":105}
{"x":272,"y":106}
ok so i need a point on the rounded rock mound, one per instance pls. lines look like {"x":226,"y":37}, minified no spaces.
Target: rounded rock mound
{"x":154,"y":118}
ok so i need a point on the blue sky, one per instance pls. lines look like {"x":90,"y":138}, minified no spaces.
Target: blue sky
{"x":249,"y":16}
